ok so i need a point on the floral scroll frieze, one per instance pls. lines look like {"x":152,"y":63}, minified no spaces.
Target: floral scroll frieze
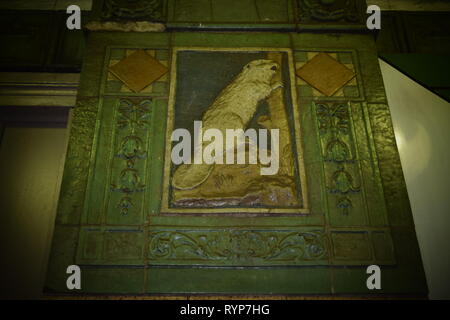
{"x":239,"y":246}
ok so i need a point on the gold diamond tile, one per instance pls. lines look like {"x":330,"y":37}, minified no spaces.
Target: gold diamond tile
{"x":325,"y":73}
{"x":138,"y":70}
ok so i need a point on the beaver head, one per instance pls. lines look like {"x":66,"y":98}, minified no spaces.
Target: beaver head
{"x":260,"y":70}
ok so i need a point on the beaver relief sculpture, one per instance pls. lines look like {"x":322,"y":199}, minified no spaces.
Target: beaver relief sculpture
{"x":233,"y":108}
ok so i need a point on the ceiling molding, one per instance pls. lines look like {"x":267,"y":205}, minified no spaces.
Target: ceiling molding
{"x":38,"y":89}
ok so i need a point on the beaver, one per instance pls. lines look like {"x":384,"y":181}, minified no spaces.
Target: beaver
{"x":233,"y":108}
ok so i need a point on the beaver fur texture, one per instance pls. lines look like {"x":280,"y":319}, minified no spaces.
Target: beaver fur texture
{"x":233,"y":108}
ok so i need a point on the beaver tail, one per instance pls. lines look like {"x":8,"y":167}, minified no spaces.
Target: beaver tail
{"x":190,"y":176}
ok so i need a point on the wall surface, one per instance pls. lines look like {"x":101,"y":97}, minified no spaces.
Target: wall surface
{"x":421,"y":122}
{"x":31,"y":162}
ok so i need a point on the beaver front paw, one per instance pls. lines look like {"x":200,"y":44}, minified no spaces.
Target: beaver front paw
{"x":276,"y":85}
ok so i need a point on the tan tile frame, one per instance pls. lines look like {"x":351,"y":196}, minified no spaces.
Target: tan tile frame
{"x":170,"y":123}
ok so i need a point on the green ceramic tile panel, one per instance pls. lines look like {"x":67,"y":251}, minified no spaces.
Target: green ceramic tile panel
{"x":300,"y":56}
{"x":221,"y":221}
{"x":162,"y":55}
{"x":91,"y":244}
{"x":160,"y":87}
{"x":126,"y":182}
{"x":344,"y":57}
{"x":94,"y":213}
{"x":111,"y":246}
{"x":191,"y":10}
{"x":76,"y":173}
{"x":352,"y":280}
{"x":254,"y":39}
{"x":312,"y":149}
{"x":232,"y":13}
{"x":316,"y":194}
{"x":124,"y":246}
{"x":117,"y":54}
{"x":353,"y":246}
{"x":274,"y":11}
{"x":307,"y":280}
{"x":157,"y":156}
{"x":113,"y":86}
{"x":305,"y":91}
{"x":112,"y":280}
{"x":236,"y":11}
{"x":370,"y":174}
{"x":358,"y":207}
{"x":351,"y":91}
{"x":346,"y":202}
{"x":396,"y":197}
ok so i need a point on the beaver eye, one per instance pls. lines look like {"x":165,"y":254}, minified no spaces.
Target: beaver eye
{"x":273,"y":68}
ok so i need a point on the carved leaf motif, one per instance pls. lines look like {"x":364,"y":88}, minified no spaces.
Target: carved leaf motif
{"x":343,"y":182}
{"x":333,"y":118}
{"x":237,"y":245}
{"x":338,"y":151}
{"x":131,"y":117}
{"x":328,"y":10}
{"x":134,"y":116}
{"x":133,"y":9}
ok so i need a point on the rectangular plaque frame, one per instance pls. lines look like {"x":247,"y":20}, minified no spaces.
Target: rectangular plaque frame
{"x":165,"y":208}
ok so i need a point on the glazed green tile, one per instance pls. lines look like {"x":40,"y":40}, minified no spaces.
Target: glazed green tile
{"x":344,"y":57}
{"x":351,"y":247}
{"x":305,"y":91}
{"x":300,"y":56}
{"x":374,"y":194}
{"x":117,"y":54}
{"x":90,"y":245}
{"x":311,"y":150}
{"x":112,"y":280}
{"x":308,"y":280}
{"x":191,"y":10}
{"x":316,"y":196}
{"x":159,"y":87}
{"x":351,"y":280}
{"x":113,"y":86}
{"x":156,"y":165}
{"x":98,"y":180}
{"x":351,"y":91}
{"x":254,"y":39}
{"x":276,"y":11}
{"x":235,"y":11}
{"x":162,"y":55}
{"x":76,"y":168}
{"x":372,"y":138}
{"x":123,"y":246}
{"x":346,"y":206}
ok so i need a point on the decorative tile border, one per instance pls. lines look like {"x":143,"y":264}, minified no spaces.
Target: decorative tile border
{"x":114,"y":85}
{"x":350,"y":91}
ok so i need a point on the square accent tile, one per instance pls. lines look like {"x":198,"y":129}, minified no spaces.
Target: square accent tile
{"x":325,"y":73}
{"x":138,"y":70}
